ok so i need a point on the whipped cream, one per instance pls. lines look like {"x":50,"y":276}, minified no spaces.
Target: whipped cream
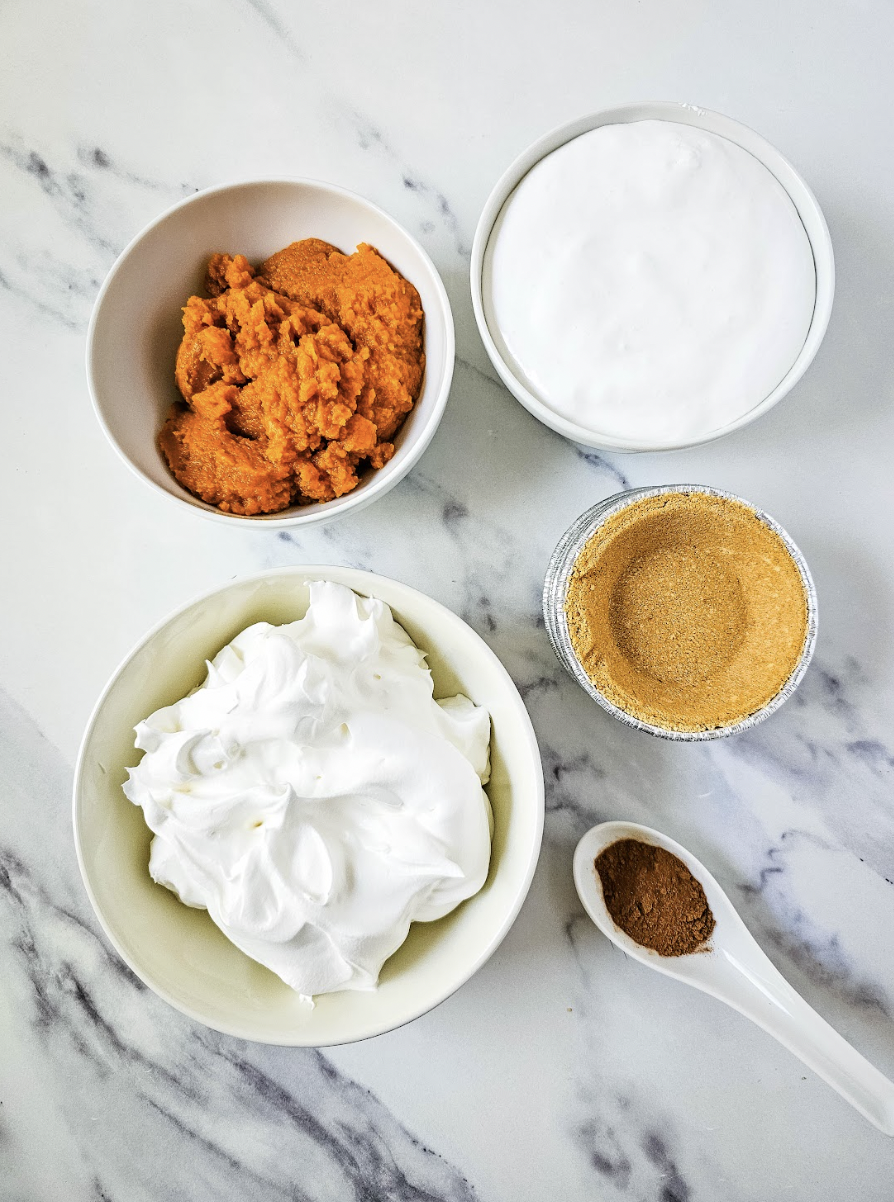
{"x":314,"y":797}
{"x":650,"y":281}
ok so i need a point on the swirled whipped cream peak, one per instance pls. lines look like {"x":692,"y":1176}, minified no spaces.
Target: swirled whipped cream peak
{"x":314,"y":797}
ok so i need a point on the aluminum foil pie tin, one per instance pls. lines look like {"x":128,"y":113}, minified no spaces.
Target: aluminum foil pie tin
{"x":555,"y":594}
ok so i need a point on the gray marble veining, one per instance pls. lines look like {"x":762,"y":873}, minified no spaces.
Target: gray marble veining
{"x":561,"y":1070}
{"x":196,"y":1115}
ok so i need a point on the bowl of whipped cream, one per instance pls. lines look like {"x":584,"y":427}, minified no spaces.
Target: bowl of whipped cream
{"x":651,"y":277}
{"x":308,"y":806}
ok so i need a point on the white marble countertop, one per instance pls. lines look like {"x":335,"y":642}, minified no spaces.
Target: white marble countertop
{"x":562,"y":1070}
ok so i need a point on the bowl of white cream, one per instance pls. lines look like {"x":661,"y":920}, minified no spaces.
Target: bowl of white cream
{"x":308,"y":806}
{"x":651,"y":277}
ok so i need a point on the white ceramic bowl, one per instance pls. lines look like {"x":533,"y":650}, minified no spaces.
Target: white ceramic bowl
{"x":686,"y":114}
{"x":179,"y":952}
{"x":136,"y":324}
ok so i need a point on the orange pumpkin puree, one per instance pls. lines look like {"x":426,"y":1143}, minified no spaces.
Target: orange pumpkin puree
{"x":294,"y":377}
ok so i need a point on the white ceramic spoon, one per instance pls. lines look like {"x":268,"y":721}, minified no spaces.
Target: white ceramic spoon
{"x":736,"y":971}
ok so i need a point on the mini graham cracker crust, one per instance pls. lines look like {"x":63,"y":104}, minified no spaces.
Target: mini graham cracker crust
{"x":686,"y":611}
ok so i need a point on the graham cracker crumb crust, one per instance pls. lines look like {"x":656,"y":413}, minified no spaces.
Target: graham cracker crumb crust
{"x":687,"y":611}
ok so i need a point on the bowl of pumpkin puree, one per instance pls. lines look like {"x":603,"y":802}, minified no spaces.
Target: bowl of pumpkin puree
{"x":275,"y":351}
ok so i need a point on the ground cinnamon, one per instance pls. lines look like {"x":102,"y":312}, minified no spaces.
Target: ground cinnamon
{"x":687,"y":611}
{"x":654,"y":898}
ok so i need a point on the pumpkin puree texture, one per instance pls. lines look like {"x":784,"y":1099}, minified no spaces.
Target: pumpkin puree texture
{"x":294,"y":377}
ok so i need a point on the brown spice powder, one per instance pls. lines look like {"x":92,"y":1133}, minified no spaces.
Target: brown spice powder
{"x":654,"y":898}
{"x":687,"y":611}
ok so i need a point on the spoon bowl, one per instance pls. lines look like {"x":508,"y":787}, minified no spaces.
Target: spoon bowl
{"x":732,"y":967}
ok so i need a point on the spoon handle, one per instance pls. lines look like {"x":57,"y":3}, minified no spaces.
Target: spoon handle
{"x":757,"y":990}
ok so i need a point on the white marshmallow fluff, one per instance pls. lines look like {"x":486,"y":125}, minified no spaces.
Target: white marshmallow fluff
{"x":314,"y":797}
{"x":650,"y":282}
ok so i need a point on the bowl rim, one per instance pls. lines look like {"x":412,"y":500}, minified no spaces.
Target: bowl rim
{"x":742,"y":135}
{"x":555,"y":592}
{"x":353,"y":500}
{"x":365,"y":583}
